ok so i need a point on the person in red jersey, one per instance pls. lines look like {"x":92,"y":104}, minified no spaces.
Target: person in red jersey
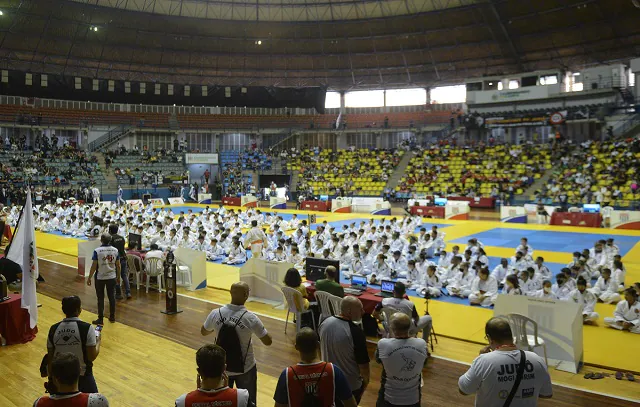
{"x":65,"y":372}
{"x":312,"y":378}
{"x":213,"y":383}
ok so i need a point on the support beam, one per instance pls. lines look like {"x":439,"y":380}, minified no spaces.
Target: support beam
{"x":512,"y":46}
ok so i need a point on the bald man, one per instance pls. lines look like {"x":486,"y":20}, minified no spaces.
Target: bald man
{"x":402,"y":358}
{"x":246,"y":324}
{"x":492,"y":374}
{"x":344,"y":344}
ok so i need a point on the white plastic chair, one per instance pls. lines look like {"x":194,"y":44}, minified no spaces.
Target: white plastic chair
{"x":521,"y":338}
{"x":184,"y":275}
{"x":293,"y":297}
{"x":134,"y":266}
{"x":329,"y":304}
{"x":154,"y":268}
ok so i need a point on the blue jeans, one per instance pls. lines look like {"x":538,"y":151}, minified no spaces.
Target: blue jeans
{"x":124,"y":275}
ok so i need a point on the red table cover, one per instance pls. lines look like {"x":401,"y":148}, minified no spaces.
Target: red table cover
{"x":433,"y":211}
{"x":14,"y":321}
{"x":592,"y":220}
{"x":319,"y":206}
{"x":368,"y":298}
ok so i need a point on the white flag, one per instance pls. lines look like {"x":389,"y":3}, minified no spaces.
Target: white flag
{"x":23,"y":252}
{"x":338,"y":120}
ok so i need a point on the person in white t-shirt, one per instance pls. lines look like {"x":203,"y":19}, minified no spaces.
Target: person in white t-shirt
{"x":402,"y":358}
{"x":248,"y":324}
{"x":106,"y":269}
{"x":492,"y":375}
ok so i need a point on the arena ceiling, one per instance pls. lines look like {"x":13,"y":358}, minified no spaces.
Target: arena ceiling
{"x":342,"y":44}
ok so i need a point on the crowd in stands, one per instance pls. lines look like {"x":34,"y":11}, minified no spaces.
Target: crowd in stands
{"x":50,"y":163}
{"x":343,"y":172}
{"x":480,"y":171}
{"x":605,"y":173}
{"x":146,"y":166}
{"x":235,"y":162}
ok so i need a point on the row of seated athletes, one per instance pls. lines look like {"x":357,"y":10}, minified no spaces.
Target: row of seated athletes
{"x":345,"y":247}
{"x":81,"y":220}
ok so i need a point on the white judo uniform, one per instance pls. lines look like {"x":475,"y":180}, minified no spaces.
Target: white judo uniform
{"x":587,"y":301}
{"x":483,"y":292}
{"x":625,"y":313}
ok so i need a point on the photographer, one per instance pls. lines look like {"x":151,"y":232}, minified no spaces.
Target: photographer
{"x":75,"y":336}
{"x":65,"y":372}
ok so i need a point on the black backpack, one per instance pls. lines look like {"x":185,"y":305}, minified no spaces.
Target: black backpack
{"x":229,"y":340}
{"x":310,"y":399}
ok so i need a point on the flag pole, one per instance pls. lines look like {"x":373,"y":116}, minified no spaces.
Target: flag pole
{"x":15,"y":229}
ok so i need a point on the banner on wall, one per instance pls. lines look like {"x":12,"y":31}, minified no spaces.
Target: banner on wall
{"x":508,"y":95}
{"x":624,"y":220}
{"x":157,"y":201}
{"x":493,"y":122}
{"x":513,"y":214}
{"x":175,"y":201}
{"x":198,"y":158}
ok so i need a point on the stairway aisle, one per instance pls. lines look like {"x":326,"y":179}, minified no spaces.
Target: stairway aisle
{"x":400,"y":170}
{"x":112,"y":182}
{"x":536,"y":186}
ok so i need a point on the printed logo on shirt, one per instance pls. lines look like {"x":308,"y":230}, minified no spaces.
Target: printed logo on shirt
{"x":409,"y":364}
{"x":67,"y":337}
{"x":507,"y":372}
{"x":526,"y":393}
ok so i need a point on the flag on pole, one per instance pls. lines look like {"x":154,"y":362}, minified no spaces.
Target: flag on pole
{"x":338,"y":120}
{"x":23,"y":252}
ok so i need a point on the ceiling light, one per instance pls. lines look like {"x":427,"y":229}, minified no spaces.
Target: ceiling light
{"x":258,"y":42}
{"x":1,"y":13}
{"x":94,"y":28}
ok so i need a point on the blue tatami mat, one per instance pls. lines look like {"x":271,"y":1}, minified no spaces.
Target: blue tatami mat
{"x":339,"y":223}
{"x":567,"y":242}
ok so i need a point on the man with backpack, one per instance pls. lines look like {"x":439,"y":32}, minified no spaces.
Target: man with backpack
{"x":72,"y":335}
{"x":312,"y":382}
{"x":235,"y":326}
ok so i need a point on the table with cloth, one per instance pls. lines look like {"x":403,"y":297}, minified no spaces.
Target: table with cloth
{"x":369,"y":299}
{"x":591,"y":220}
{"x":14,"y":321}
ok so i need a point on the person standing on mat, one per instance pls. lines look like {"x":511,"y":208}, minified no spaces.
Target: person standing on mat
{"x":255,"y":239}
{"x":106,"y":268}
{"x":494,"y":376}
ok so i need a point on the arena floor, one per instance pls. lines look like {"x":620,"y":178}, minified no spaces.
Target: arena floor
{"x":460,"y":326}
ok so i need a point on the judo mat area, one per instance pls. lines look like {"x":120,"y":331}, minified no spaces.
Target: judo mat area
{"x":454,"y":318}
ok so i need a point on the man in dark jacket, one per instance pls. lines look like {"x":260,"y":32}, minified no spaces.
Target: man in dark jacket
{"x":117,"y":241}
